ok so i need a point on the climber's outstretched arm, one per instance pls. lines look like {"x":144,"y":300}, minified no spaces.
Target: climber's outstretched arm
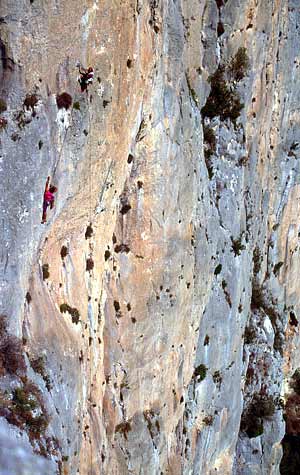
{"x":81,"y":71}
{"x":47,"y":184}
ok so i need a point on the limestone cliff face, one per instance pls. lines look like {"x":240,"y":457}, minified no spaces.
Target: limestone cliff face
{"x":157,"y":310}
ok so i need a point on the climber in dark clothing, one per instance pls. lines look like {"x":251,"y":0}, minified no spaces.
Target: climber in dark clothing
{"x":86,"y":77}
{"x":48,"y":199}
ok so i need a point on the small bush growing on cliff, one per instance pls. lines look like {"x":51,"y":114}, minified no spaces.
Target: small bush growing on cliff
{"x":22,"y":119}
{"x":209,"y":137}
{"x":88,"y":232}
{"x":257,"y":260}
{"x":45,"y":271}
{"x":209,"y":148}
{"x":64,"y":101}
{"x":76,"y":106}
{"x":226,"y":293}
{"x":200,"y":373}
{"x":12,"y":359}
{"x":277,"y":268}
{"x":117,"y":309}
{"x":261,"y":407}
{"x":23,"y":405}
{"x":11,"y":355}
{"x":122,"y":248}
{"x":89,"y":264}
{"x":220,"y":28}
{"x":249,"y":335}
{"x":218,"y":269}
{"x":3,"y":123}
{"x":237,"y":247}
{"x":64,"y":307}
{"x":38,"y":365}
{"x":253,"y":427}
{"x":30,"y":101}
{"x":222,"y":101}
{"x":217,"y":378}
{"x":292,"y":414}
{"x":295,"y":384}
{"x":3,"y":106}
{"x":64,"y":252}
{"x":259,"y":300}
{"x":24,"y":399}
{"x":124,"y":428}
{"x":28,"y":297}
{"x":125,"y":208}
{"x":15,"y":137}
{"x":239,"y":64}
{"x":208,"y":420}
{"x":26,"y":410}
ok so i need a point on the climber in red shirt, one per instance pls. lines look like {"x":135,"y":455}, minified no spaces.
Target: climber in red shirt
{"x":48,"y":199}
{"x":86,"y":77}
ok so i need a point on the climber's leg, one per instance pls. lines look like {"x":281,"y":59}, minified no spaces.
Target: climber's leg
{"x":44,"y":217}
{"x":82,"y":83}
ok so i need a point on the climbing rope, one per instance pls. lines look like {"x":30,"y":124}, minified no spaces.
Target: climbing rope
{"x":90,"y":160}
{"x":63,"y":143}
{"x":91,"y":338}
{"x":105,"y":181}
{"x":90,"y":216}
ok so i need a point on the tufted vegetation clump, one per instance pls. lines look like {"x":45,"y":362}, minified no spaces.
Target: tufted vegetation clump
{"x":3,"y":106}
{"x":239,"y":64}
{"x":124,"y":428}
{"x":89,"y":264}
{"x":64,"y":101}
{"x":30,"y":101}
{"x":88,"y":232}
{"x":223,"y":101}
{"x":12,"y":359}
{"x":38,"y":365}
{"x":76,"y":106}
{"x":3,"y":123}
{"x":209,"y":140}
{"x":45,"y":271}
{"x":261,"y":407}
{"x":25,"y":409}
{"x":200,"y":373}
{"x":65,"y":308}
{"x":64,"y":252}
{"x":296,"y":381}
{"x":237,"y":247}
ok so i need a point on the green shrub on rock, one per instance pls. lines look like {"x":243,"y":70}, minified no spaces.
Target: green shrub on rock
{"x":3,"y":106}
{"x":200,"y":373}
{"x":239,"y":64}
{"x":64,"y":307}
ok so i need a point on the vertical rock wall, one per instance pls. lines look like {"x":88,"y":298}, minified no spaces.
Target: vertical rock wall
{"x":162,"y":292}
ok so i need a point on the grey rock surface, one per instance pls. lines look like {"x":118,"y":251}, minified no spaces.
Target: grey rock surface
{"x":17,"y":456}
{"x":187,"y":310}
